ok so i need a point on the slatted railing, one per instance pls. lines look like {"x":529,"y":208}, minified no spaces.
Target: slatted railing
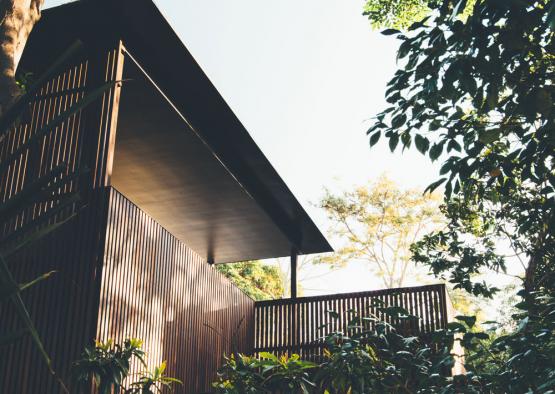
{"x":298,"y":325}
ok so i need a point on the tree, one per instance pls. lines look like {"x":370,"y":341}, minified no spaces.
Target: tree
{"x":17,"y":19}
{"x":400,"y":14}
{"x":396,"y":13}
{"x":480,"y":90}
{"x":378,"y":223}
{"x":477,"y":91}
{"x":258,"y":280}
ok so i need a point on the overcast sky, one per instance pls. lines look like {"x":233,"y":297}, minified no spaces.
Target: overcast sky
{"x":304,"y":77}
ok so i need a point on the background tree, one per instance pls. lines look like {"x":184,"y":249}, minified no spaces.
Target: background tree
{"x":396,"y":13}
{"x":377,"y":224}
{"x":258,"y":280}
{"x":400,"y":14}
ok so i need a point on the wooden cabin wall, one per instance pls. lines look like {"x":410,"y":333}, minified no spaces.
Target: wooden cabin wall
{"x":63,"y":307}
{"x":157,"y":289}
{"x":83,"y":144}
{"x":151,"y":285}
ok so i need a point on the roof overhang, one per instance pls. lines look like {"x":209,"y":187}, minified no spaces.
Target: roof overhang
{"x":181,"y":154}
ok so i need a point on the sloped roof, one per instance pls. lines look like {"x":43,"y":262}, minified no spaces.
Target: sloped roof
{"x":213,"y":186}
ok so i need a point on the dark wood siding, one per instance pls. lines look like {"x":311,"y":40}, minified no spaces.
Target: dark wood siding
{"x":63,"y":308}
{"x":153,"y":287}
{"x":20,"y":165}
{"x":298,"y":325}
{"x":157,"y":289}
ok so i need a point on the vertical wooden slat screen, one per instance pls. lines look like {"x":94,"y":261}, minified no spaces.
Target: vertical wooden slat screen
{"x":301,"y":331}
{"x":59,"y":146}
{"x":157,"y":289}
{"x":63,"y":307}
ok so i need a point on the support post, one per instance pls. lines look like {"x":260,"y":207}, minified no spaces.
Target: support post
{"x":294,"y":254}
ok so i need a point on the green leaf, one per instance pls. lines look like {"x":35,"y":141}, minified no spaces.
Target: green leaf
{"x":269,"y":356}
{"x":469,"y":320}
{"x":435,"y":185}
{"x":375,"y":138}
{"x":489,"y":136}
{"x":38,"y":279}
{"x":456,"y":327}
{"x":389,"y":32}
{"x":434,"y":125}
{"x":422,"y":143}
{"x":398,"y":121}
{"x":333,"y":314}
{"x":404,"y":49}
{"x":453,"y":145}
{"x":436,"y":151}
{"x":393,"y":141}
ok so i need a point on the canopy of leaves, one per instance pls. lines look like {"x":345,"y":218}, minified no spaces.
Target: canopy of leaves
{"x":259,"y":281}
{"x":396,"y":13}
{"x":377,"y":224}
{"x":400,"y":14}
{"x":479,"y":91}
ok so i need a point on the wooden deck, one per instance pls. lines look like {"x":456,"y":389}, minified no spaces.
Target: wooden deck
{"x":298,"y":325}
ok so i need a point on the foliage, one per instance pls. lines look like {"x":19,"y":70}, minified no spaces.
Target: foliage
{"x":524,"y":359}
{"x":396,"y":13}
{"x":105,"y":365}
{"x":153,"y":382}
{"x":480,"y":90}
{"x":383,"y":361}
{"x":242,"y":374}
{"x":370,"y":358}
{"x":477,"y":92}
{"x":258,"y":280}
{"x":378,"y":223}
{"x":400,"y":14}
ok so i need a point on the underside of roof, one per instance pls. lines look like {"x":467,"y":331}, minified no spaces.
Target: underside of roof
{"x":181,"y":154}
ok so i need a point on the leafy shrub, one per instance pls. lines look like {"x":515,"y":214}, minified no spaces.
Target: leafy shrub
{"x":106,"y":365}
{"x":153,"y":382}
{"x":247,"y":374}
{"x":372,"y":357}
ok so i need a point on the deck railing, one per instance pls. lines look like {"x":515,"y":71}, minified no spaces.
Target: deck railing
{"x":298,"y":325}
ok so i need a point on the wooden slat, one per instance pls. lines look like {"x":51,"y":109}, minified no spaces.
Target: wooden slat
{"x":63,"y":307}
{"x":120,"y":274}
{"x":155,"y":288}
{"x":296,"y":321}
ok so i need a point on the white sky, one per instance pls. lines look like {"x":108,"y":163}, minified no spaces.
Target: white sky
{"x":304,"y":77}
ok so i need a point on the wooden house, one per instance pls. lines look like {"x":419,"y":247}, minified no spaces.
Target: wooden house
{"x":169,"y":184}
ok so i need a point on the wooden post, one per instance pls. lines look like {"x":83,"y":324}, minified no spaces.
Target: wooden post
{"x":293,"y":293}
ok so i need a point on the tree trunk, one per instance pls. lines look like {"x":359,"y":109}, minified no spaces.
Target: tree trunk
{"x":18,"y":19}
